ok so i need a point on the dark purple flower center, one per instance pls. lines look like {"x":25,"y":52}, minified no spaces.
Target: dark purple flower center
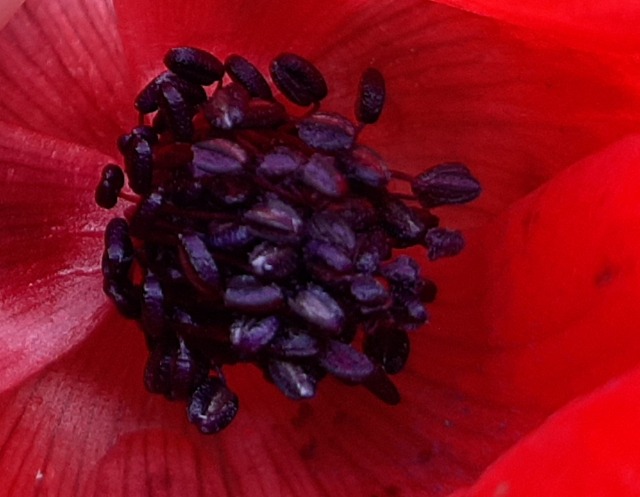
{"x":265,"y":237}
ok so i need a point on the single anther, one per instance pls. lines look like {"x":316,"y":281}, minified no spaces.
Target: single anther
{"x":227,"y":107}
{"x":274,"y":262}
{"x":245,"y":73}
{"x":319,"y":309}
{"x":177,"y":112}
{"x":321,"y":174}
{"x":280,"y":162}
{"x":198,"y":264}
{"x":402,"y":222}
{"x":447,"y":183}
{"x":139,"y":165}
{"x":213,"y":406}
{"x":327,"y":131}
{"x":245,"y":293}
{"x":275,"y":220}
{"x":388,"y":347}
{"x":250,"y":335}
{"x":345,"y":362}
{"x":441,"y":242}
{"x":294,"y":343}
{"x":371,"y":96}
{"x":218,"y":156}
{"x":174,"y":370}
{"x":153,"y":312}
{"x":194,"y":65}
{"x":298,"y":79}
{"x":229,"y":236}
{"x":108,"y":189}
{"x":366,"y":167}
{"x":292,"y":379}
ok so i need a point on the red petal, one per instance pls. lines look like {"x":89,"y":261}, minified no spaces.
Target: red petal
{"x":7,"y":9}
{"x":460,"y":87}
{"x":595,"y":25}
{"x":50,"y":296}
{"x":588,"y":449}
{"x":550,"y":309}
{"x":62,"y":72}
{"x":86,"y":427}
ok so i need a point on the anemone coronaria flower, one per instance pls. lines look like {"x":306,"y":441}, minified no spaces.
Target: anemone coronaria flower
{"x":526,"y":380}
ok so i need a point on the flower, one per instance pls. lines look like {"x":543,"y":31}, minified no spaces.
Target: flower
{"x":538,"y":315}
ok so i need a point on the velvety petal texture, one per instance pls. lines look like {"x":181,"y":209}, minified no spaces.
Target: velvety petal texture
{"x":588,"y":449}
{"x":593,"y":24}
{"x":513,"y":106}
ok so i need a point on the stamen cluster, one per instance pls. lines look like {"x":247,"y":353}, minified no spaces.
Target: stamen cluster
{"x":264,"y":237}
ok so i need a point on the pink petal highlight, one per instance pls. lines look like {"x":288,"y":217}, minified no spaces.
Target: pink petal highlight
{"x":50,"y":297}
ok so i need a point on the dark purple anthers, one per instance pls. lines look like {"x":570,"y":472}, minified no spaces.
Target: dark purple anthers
{"x":198,"y":264}
{"x":227,"y":107}
{"x":108,"y":189}
{"x":319,"y":309}
{"x":326,"y":131}
{"x":138,"y":161}
{"x":371,"y":96}
{"x":260,"y":237}
{"x":213,"y":406}
{"x":250,"y":335}
{"x":366,"y":167}
{"x":448,"y":183}
{"x":194,"y":65}
{"x":177,"y":112}
{"x":441,"y":242}
{"x":292,"y":379}
{"x":245,"y":73}
{"x":217,"y":156}
{"x":248,"y":295}
{"x":298,"y":79}
{"x":321,"y":174}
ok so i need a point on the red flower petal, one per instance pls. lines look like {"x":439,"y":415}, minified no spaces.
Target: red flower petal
{"x":596,"y":25}
{"x":461,"y":87}
{"x":7,"y":9}
{"x":50,"y":296}
{"x":589,"y":449}
{"x":97,"y":431}
{"x":62,"y":72}
{"x":86,"y":427}
{"x":550,"y":307}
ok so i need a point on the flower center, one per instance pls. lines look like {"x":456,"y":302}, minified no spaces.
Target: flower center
{"x":260,"y":236}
